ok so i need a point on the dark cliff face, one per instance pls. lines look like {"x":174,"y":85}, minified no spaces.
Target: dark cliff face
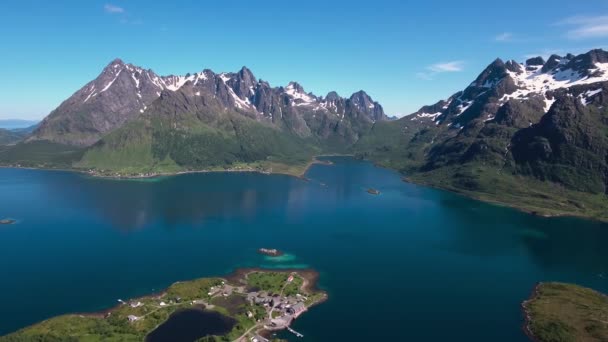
{"x":569,"y":146}
{"x":123,"y":92}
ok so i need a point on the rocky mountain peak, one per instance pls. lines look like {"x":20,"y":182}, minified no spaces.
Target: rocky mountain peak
{"x":492,"y":74}
{"x":295,"y":87}
{"x":552,"y":63}
{"x":587,"y":61}
{"x":332,"y":96}
{"x":361,"y":98}
{"x":535,"y":61}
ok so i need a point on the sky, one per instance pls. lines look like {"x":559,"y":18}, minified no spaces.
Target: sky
{"x":405,"y":54}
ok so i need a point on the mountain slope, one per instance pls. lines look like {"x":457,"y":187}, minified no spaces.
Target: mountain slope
{"x":130,"y":120}
{"x":122,"y":92}
{"x":532,"y":135}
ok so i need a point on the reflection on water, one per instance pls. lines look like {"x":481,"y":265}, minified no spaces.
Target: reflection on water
{"x":186,"y":199}
{"x":455,"y":263}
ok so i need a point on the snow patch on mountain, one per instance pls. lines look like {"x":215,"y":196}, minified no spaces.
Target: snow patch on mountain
{"x":535,"y":81}
{"x":297,"y":94}
{"x":586,"y":96}
{"x":432,"y":116}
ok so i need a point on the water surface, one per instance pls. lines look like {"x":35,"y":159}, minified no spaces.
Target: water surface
{"x":411,"y":264}
{"x":190,"y":325}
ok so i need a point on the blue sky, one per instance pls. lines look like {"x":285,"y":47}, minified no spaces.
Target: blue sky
{"x":403,"y":53}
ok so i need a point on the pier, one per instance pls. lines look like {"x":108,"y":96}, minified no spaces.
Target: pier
{"x":294,"y":332}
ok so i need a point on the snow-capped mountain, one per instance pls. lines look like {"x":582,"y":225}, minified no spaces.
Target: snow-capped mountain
{"x":544,"y":119}
{"x":123,"y":92}
{"x":534,"y":79}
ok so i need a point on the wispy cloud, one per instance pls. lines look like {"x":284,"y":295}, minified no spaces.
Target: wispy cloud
{"x":438,"y":68}
{"x":504,"y":37}
{"x":453,"y":66}
{"x":585,"y":27}
{"x":123,"y":16}
{"x":109,"y":8}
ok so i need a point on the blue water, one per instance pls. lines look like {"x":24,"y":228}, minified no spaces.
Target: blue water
{"x":412,"y":264}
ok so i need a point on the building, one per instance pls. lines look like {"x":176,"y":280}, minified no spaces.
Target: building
{"x":136,"y":304}
{"x":132,"y":318}
{"x":297,"y":309}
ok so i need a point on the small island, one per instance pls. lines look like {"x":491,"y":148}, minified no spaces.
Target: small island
{"x":245,"y":306}
{"x":7,"y":221}
{"x":373,"y":191}
{"x":270,"y":252}
{"x":566,"y":312}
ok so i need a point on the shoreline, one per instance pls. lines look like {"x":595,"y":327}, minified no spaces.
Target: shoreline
{"x":526,"y":313}
{"x":300,"y":174}
{"x":475,"y":196}
{"x":310,"y":280}
{"x":310,"y":276}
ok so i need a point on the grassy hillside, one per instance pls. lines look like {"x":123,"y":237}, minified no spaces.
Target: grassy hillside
{"x":162,"y":145}
{"x":490,"y":184}
{"x":41,"y":154}
{"x":567,"y":313}
{"x":483,"y":171}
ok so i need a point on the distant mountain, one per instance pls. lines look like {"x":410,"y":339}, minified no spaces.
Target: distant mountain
{"x":8,"y":137}
{"x":532,"y":134}
{"x":130,"y":120}
{"x":123,"y":92}
{"x":16,"y":130}
{"x":17,"y":123}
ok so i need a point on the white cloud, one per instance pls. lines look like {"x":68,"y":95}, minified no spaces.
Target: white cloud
{"x":504,"y":37}
{"x":109,"y":8}
{"x":584,"y":27}
{"x":438,"y":68}
{"x":453,"y":66}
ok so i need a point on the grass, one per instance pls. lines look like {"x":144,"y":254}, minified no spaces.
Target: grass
{"x":490,"y":185}
{"x":567,"y":313}
{"x":41,"y":154}
{"x":271,"y":282}
{"x":116,"y":326}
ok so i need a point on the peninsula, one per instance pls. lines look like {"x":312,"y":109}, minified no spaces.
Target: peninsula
{"x":244,"y":306}
{"x":566,"y":312}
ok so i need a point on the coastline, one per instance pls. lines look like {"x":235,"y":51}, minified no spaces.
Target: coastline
{"x":310,"y":275}
{"x":526,"y":313}
{"x":540,"y":212}
{"x":300,"y":173}
{"x":310,"y":281}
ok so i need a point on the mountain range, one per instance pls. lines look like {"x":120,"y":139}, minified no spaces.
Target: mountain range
{"x":533,"y":135}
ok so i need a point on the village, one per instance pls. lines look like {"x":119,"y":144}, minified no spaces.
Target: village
{"x":267,"y":301}
{"x":280,"y":309}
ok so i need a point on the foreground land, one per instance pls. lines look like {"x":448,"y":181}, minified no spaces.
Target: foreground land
{"x":562,"y":313}
{"x":251,"y":301}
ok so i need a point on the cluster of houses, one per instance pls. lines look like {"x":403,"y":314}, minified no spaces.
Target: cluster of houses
{"x":287,"y":308}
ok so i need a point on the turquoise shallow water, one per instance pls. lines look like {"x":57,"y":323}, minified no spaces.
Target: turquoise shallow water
{"x":412,"y":264}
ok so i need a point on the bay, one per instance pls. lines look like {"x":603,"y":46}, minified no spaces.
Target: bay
{"x":411,"y":263}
